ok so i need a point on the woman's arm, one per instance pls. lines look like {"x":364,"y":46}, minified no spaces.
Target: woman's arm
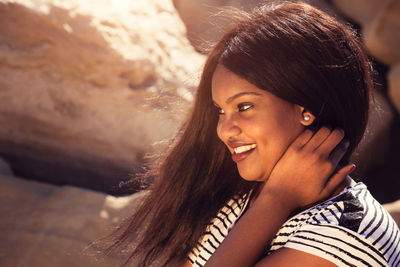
{"x":303,"y":176}
{"x":287,"y":257}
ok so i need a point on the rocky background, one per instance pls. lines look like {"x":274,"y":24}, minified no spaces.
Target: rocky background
{"x":89,"y":88}
{"x":86,"y":87}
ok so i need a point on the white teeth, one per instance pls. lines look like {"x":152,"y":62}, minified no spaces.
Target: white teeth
{"x":242,"y":149}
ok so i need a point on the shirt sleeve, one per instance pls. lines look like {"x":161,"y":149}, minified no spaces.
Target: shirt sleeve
{"x":218,"y":229}
{"x":336,"y":244}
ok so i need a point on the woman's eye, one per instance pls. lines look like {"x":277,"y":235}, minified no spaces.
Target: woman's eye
{"x":244,"y":106}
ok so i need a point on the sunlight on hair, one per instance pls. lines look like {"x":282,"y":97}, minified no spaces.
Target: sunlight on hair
{"x":104,"y":214}
{"x":117,"y":202}
{"x":185,"y":94}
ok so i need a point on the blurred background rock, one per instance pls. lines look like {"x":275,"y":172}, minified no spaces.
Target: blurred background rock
{"x":86,"y":87}
{"x":89,"y":88}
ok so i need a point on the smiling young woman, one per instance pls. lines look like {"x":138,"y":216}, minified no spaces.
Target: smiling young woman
{"x":254,"y":122}
{"x":258,"y":175}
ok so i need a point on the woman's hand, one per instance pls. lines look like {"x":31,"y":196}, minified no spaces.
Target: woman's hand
{"x":305,"y":173}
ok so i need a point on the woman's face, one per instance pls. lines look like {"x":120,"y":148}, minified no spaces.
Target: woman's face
{"x":255,"y":125}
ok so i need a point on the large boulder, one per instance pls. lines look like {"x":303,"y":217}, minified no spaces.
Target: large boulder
{"x":380,"y":23}
{"x":362,"y":12}
{"x":47,"y":225}
{"x":382,"y":34}
{"x":394,"y":85}
{"x":394,"y":209}
{"x":5,"y":168}
{"x":380,"y":29}
{"x":207,"y":20}
{"x":87,"y":87}
{"x":374,"y":146}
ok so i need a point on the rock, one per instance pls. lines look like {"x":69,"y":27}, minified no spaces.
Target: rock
{"x":394,"y":210}
{"x":360,"y":11}
{"x":382,"y":34}
{"x":5,"y":168}
{"x":378,"y":153}
{"x":47,"y":225}
{"x":85,"y":92}
{"x":372,"y":150}
{"x":380,"y":23}
{"x":393,"y":79}
{"x":207,"y":20}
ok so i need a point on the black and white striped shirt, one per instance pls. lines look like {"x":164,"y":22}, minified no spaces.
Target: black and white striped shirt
{"x":350,"y":229}
{"x":217,"y":230}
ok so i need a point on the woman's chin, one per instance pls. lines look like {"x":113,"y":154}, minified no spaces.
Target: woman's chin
{"x":252,"y":177}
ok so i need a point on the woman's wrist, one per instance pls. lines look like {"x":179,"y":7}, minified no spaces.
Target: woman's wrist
{"x":252,"y":233}
{"x":281,"y":199}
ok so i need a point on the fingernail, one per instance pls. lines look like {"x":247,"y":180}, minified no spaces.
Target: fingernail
{"x":341,"y":130}
{"x":345,"y":144}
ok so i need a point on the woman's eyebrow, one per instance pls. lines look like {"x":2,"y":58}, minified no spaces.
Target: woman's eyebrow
{"x":230,"y":99}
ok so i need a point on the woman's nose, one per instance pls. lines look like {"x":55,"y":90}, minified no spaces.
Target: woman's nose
{"x":228,"y":127}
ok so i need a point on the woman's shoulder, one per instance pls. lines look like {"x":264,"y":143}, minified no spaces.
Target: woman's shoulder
{"x":350,"y":227}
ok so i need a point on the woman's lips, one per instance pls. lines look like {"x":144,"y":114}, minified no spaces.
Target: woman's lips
{"x":242,"y":152}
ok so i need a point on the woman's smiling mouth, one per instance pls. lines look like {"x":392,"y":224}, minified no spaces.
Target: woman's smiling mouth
{"x":245,"y":148}
{"x":241,"y":152}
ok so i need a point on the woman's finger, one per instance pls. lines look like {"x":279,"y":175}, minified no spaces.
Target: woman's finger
{"x":337,"y":179}
{"x":331,"y":142}
{"x":318,"y":138}
{"x":340,"y":150}
{"x":303,"y":138}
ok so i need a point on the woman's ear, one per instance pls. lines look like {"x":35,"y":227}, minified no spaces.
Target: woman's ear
{"x":307,"y":118}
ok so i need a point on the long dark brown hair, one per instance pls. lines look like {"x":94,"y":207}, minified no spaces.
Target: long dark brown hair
{"x":292,"y":50}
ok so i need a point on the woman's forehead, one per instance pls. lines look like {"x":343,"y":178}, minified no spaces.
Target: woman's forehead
{"x":226,"y":84}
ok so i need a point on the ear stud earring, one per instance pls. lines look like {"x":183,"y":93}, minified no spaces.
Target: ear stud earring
{"x":307,"y":117}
